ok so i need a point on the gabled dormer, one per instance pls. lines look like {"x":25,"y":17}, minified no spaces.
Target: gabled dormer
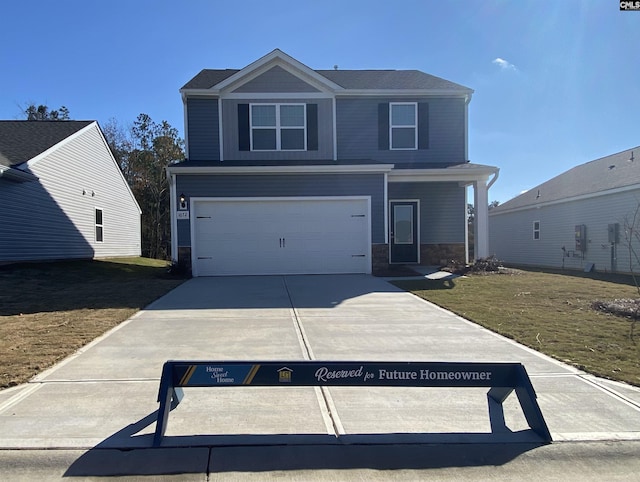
{"x":275,"y":108}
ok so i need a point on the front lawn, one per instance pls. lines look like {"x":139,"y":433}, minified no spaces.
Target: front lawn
{"x":49,"y":310}
{"x":550,"y":312}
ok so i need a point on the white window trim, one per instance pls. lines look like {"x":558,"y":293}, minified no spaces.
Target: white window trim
{"x":391,"y":127}
{"x":536,"y":231}
{"x":96,"y":225}
{"x":278,"y":128}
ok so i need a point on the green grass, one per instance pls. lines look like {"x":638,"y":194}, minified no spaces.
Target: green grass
{"x":550,"y":312}
{"x":49,"y":310}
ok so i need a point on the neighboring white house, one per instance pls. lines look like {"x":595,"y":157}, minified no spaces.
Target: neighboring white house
{"x":576,"y":220}
{"x":62,"y":194}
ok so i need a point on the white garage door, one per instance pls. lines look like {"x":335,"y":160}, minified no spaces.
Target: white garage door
{"x":281,"y":236}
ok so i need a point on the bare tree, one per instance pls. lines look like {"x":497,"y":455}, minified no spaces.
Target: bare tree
{"x":632,"y":242}
{"x":143,"y":152}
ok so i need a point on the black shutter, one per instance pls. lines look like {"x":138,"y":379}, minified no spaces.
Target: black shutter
{"x":244,"y":136}
{"x":312,"y":127}
{"x":423,"y":125}
{"x":383,"y":127}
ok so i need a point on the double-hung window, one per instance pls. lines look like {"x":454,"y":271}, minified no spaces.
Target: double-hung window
{"x":278,"y":127}
{"x":403,"y":125}
{"x":536,"y":230}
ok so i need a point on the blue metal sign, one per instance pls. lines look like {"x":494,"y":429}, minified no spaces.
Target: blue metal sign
{"x":311,"y":373}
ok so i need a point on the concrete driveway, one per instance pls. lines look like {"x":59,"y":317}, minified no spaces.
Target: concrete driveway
{"x":103,"y":399}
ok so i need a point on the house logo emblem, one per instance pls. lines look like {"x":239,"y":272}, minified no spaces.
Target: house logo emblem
{"x":284,"y":375}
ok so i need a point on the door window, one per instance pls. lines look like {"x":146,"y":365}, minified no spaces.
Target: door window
{"x":403,"y":224}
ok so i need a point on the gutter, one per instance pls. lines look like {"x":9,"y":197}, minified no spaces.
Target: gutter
{"x":15,"y":175}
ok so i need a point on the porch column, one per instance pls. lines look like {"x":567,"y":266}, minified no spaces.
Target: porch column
{"x":481,"y":221}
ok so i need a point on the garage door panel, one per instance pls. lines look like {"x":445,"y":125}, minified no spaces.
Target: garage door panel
{"x":281,"y":236}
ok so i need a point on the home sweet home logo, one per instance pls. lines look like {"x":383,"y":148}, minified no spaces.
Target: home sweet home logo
{"x":630,"y":5}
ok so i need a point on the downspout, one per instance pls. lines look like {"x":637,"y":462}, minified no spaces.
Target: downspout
{"x":174,"y":221}
{"x":220,"y":130}
{"x":496,"y":175}
{"x":186,"y":125}
{"x":467,"y":100}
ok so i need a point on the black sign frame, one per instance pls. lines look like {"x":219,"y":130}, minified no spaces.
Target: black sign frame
{"x":501,"y":378}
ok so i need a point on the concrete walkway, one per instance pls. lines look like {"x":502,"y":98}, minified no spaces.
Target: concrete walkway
{"x":91,"y":409}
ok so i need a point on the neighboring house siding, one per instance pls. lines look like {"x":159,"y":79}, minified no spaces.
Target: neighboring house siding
{"x":203,"y":129}
{"x":276,"y":79}
{"x":292,"y":185}
{"x":52,"y":219}
{"x":358,"y":127}
{"x":324,"y":135}
{"x":511,"y":233}
{"x":442,"y":208}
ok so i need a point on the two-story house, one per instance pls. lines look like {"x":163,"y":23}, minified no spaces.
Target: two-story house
{"x":291,"y":170}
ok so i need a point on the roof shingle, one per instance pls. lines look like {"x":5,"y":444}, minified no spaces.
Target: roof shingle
{"x":349,"y":79}
{"x":23,"y":140}
{"x":610,"y":172}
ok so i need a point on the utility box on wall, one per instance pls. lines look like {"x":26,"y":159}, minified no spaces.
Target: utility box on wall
{"x":612,"y":230}
{"x":581,"y":237}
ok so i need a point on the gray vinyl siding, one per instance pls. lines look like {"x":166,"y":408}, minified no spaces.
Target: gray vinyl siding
{"x":203,"y":129}
{"x":230,"y":133}
{"x":357,"y":131}
{"x":442,"y":209}
{"x":287,"y":185}
{"x":276,"y":79}
{"x":52,"y":219}
{"x":511,"y":233}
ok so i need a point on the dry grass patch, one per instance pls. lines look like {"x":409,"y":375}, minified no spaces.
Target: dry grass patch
{"x":550,"y":312}
{"x":49,"y":310}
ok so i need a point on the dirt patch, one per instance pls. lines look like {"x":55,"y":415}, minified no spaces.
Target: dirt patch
{"x":628,"y":307}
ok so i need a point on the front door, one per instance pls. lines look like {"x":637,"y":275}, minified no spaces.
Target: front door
{"x":404,"y":241}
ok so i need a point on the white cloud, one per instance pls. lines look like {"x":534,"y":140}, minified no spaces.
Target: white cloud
{"x":503,"y":64}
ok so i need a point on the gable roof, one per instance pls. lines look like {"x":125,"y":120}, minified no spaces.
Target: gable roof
{"x":208,"y":78}
{"x":346,"y":79}
{"x":617,"y":171}
{"x":21,"y":141}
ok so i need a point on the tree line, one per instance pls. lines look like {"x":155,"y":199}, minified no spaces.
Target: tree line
{"x":143,"y":150}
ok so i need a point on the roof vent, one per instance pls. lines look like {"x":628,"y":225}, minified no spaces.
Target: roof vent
{"x":612,"y":166}
{"x":631,"y":159}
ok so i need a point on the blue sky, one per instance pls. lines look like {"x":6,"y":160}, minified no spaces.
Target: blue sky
{"x":557,"y":82}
